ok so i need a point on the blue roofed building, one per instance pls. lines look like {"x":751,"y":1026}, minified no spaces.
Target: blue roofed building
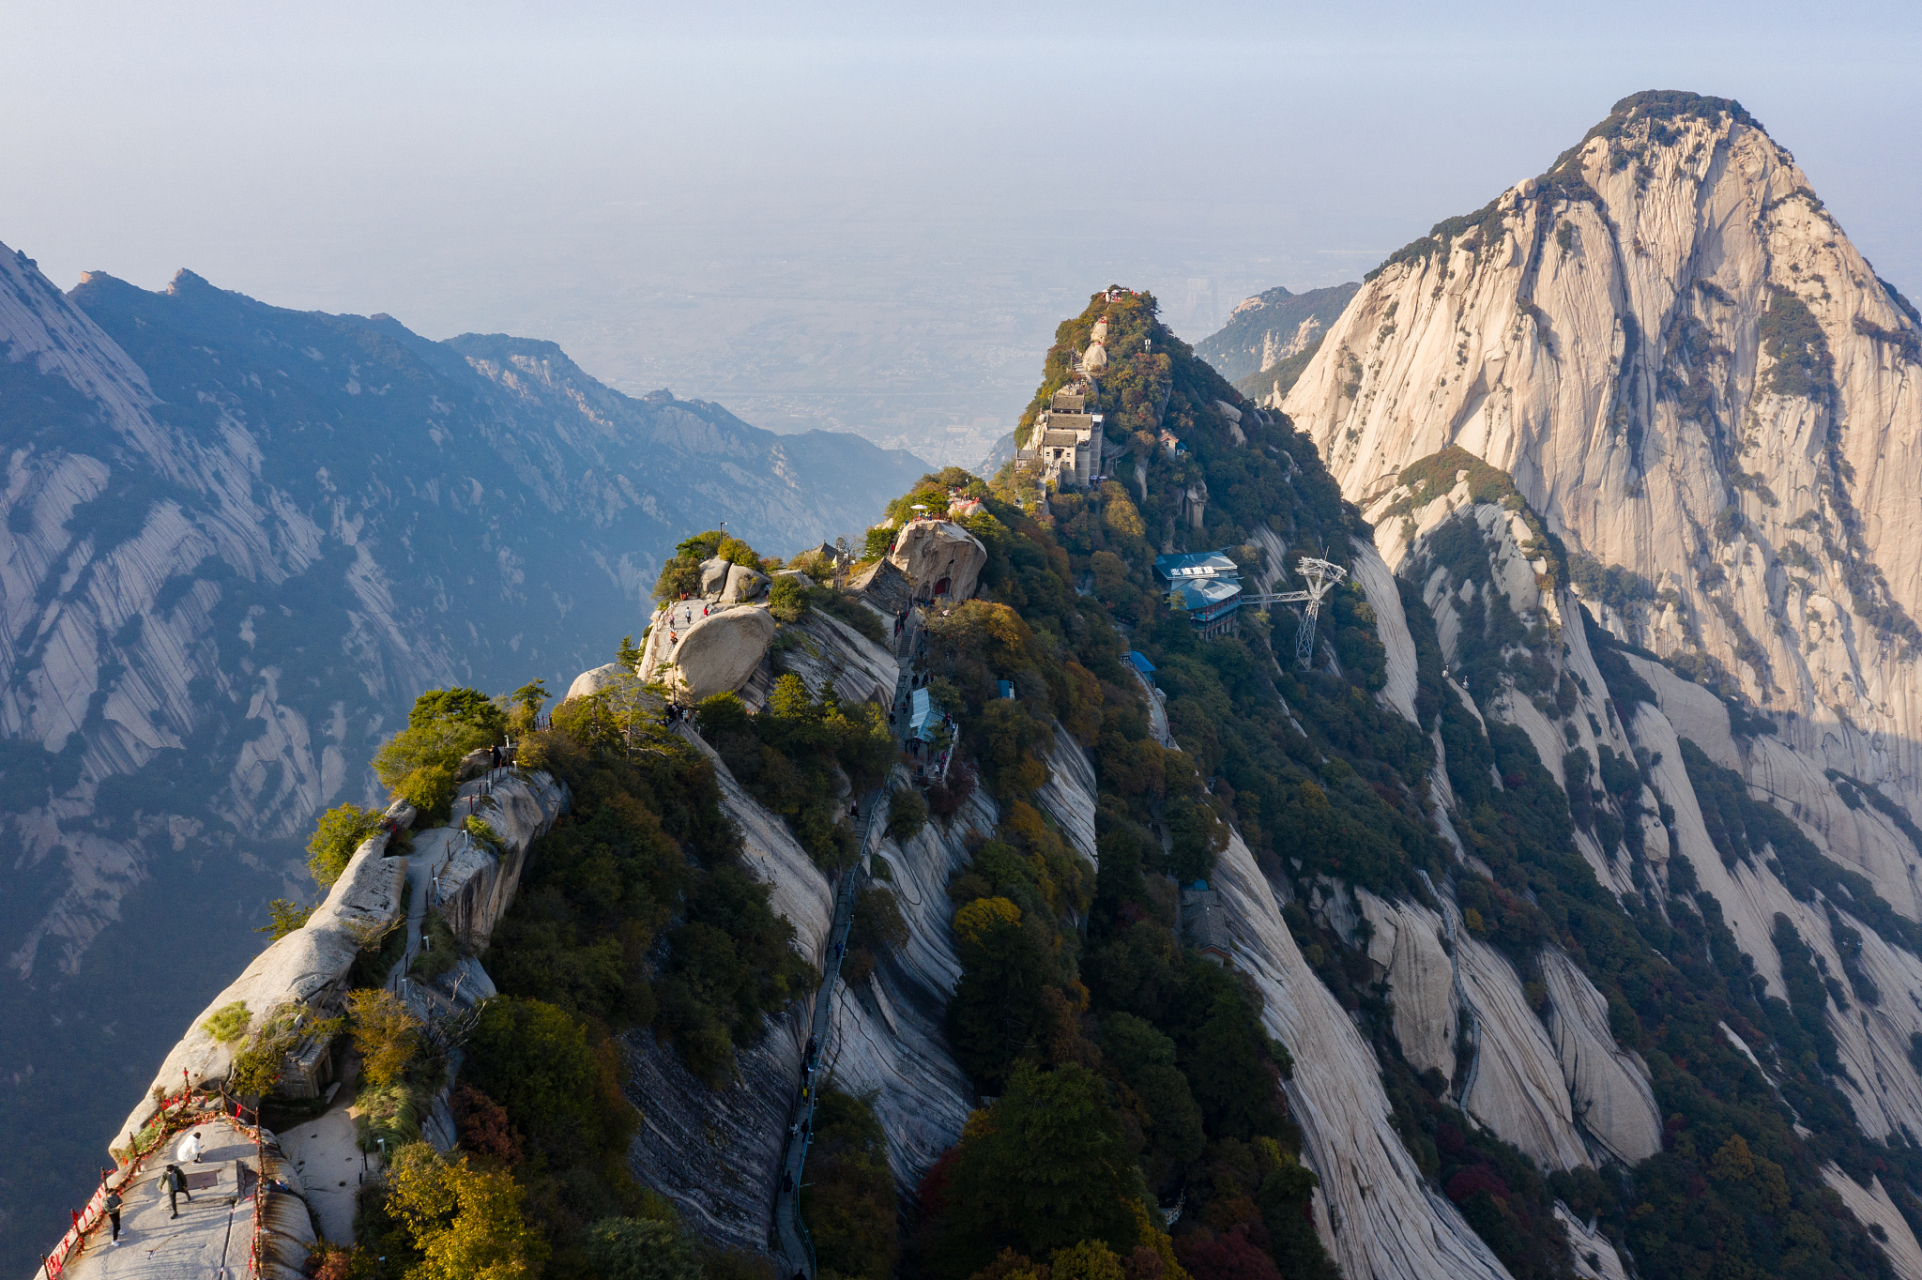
{"x":925,"y":716}
{"x":1206,"y":585}
{"x":1196,"y":564}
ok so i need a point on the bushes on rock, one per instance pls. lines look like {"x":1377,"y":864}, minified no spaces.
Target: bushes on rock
{"x":385,"y":1033}
{"x":907,"y":814}
{"x":483,"y":1126}
{"x":464,"y":1222}
{"x":787,"y":757}
{"x":787,"y":599}
{"x":876,"y":930}
{"x":229,"y":1022}
{"x":640,"y":1249}
{"x":849,"y":609}
{"x":1045,"y":1168}
{"x":420,"y":763}
{"x":340,"y":831}
{"x":284,"y":915}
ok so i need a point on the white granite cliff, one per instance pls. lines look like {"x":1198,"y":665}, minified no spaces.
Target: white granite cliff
{"x":1693,"y":375}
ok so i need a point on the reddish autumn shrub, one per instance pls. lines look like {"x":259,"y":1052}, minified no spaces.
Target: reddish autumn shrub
{"x":1228,"y":1256}
{"x":483,"y":1125}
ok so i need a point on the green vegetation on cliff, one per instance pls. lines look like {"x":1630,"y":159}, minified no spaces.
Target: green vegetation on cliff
{"x":1123,"y":1070}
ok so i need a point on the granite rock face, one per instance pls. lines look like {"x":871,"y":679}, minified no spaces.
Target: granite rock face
{"x":1694,"y":383}
{"x":743,"y":584}
{"x":310,"y":966}
{"x":940,"y":558}
{"x":1692,"y":374}
{"x":719,"y":652}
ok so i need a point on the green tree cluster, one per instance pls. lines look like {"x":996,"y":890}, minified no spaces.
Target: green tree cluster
{"x":421,"y":762}
{"x":848,"y":1198}
{"x":788,"y":756}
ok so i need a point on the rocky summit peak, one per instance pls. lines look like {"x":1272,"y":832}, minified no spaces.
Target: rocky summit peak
{"x":1670,"y":345}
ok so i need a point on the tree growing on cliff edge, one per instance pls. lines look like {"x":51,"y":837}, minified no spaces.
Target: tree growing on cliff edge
{"x":419,"y":763}
{"x":339,"y":832}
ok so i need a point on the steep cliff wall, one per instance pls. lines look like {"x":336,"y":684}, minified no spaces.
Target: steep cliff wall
{"x":1696,"y":379}
{"x":1381,"y":1219}
{"x":307,"y":971}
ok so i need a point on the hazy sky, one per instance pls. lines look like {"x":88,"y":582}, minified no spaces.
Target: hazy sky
{"x":805,"y":210}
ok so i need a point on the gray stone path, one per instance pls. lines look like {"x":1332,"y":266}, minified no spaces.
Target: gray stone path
{"x":214,"y":1229}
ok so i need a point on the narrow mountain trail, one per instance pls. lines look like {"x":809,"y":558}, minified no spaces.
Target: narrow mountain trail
{"x":797,"y":1249}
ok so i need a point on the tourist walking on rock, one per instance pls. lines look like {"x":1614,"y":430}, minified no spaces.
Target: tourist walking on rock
{"x":175,"y":1183}
{"x":113,"y":1213}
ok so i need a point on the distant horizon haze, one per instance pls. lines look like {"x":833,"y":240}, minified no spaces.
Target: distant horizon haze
{"x":855,"y":217}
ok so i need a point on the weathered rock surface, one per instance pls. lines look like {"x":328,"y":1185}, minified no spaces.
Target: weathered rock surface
{"x":473,"y":885}
{"x":1623,"y":358}
{"x":1069,"y":794}
{"x":1871,"y":1204}
{"x":830,"y":653}
{"x":714,"y":1152}
{"x":1591,"y":1253}
{"x":1407,"y":944}
{"x":1610,"y":1090}
{"x":305,"y":966}
{"x":714,"y":572}
{"x":886,"y":1035}
{"x":1514,"y":1082}
{"x":595,"y":679}
{"x":1377,"y":1215}
{"x":1712,"y":403}
{"x":744,"y":584}
{"x":310,"y":965}
{"x":798,"y":891}
{"x":940,"y":558}
{"x":719,"y":652}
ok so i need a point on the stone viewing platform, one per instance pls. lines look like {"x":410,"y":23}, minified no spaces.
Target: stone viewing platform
{"x":242,"y":1213}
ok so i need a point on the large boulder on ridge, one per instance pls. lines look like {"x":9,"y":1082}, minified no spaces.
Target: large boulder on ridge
{"x":940,"y":558}
{"x":714,"y":575}
{"x":743,"y":584}
{"x":721,"y":651}
{"x":595,"y":679}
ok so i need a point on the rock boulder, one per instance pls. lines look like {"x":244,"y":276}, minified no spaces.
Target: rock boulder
{"x":720,"y":652}
{"x":940,"y":558}
{"x":594,"y":680}
{"x":743,"y":584}
{"x":714,"y":575}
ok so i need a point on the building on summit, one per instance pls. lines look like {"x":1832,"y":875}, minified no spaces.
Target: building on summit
{"x":1065,"y":445}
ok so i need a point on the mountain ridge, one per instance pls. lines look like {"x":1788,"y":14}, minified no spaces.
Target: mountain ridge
{"x":235,"y":534}
{"x":1268,"y":339}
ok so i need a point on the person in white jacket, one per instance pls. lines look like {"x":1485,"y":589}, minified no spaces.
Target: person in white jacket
{"x":188,"y":1152}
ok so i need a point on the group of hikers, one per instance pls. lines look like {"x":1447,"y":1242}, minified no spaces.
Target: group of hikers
{"x":172,"y":1182}
{"x":797,"y":1130}
{"x":685,"y":611}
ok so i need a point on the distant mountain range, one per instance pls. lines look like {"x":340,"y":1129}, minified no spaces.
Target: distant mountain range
{"x":1270,"y":338}
{"x":237,"y":541}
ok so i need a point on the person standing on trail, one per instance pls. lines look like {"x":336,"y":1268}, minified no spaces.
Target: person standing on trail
{"x":175,"y":1183}
{"x":112,"y":1207}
